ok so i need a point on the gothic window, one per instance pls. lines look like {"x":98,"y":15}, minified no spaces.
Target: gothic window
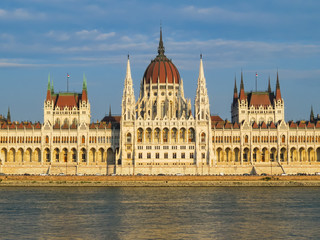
{"x":165,"y":135}
{"x":203,"y":137}
{"x":191,"y":135}
{"x":129,"y":138}
{"x":47,"y":139}
{"x":174,"y":135}
{"x":148,"y":135}
{"x":246,"y":139}
{"x":182,"y":135}
{"x":83,"y":139}
{"x":283,"y":139}
{"x":140,"y":133}
{"x":157,"y":135}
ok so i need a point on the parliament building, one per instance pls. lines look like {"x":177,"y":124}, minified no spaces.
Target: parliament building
{"x":160,"y":132}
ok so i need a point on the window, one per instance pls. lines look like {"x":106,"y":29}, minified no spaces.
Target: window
{"x":174,"y":155}
{"x":203,"y":155}
{"x":128,"y":155}
{"x":157,"y":155}
{"x":191,"y":155}
{"x":140,"y":155}
{"x":149,"y":155}
{"x":166,"y":155}
{"x":47,"y":139}
{"x":191,"y":135}
{"x":203,"y":137}
{"x":129,"y":138}
{"x":83,"y":139}
{"x":183,"y":155}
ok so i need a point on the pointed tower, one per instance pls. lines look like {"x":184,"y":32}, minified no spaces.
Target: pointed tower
{"x":278,"y":92}
{"x":128,"y":116}
{"x":242,"y":94}
{"x":84,"y":89}
{"x":128,"y":99}
{"x":235,"y":91}
{"x":269,"y":86}
{"x":278,"y":103}
{"x":202,"y":108}
{"x":9,"y":115}
{"x":49,"y":90}
{"x":204,"y":154}
{"x":311,"y":115}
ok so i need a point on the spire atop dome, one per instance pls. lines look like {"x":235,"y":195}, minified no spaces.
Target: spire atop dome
{"x":161,"y":47}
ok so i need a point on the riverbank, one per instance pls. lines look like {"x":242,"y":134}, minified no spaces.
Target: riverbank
{"x":160,"y":181}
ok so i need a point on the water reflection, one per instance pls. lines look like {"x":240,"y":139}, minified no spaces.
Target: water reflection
{"x":159,"y":213}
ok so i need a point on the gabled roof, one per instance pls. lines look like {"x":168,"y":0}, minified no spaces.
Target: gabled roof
{"x":255,"y":125}
{"x":310,"y":125}
{"x":264,"y":125}
{"x":272,"y":125}
{"x":227,"y":125}
{"x":318,"y":124}
{"x":302,"y":124}
{"x":293,"y":125}
{"x":236,"y":125}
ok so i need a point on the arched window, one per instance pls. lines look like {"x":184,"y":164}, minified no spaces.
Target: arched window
{"x":203,"y":137}
{"x":174,"y":135}
{"x":83,"y":139}
{"x":47,"y":139}
{"x":148,"y":135}
{"x":165,"y":135}
{"x":140,"y":134}
{"x":129,"y":138}
{"x":246,"y":139}
{"x":283,"y":139}
{"x":191,"y":135}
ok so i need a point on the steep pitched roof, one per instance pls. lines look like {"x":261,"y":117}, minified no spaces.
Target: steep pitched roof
{"x":259,"y":99}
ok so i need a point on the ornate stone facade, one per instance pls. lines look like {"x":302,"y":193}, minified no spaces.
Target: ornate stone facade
{"x":159,"y":134}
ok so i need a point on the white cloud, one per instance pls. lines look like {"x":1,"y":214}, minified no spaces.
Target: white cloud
{"x":20,"y":14}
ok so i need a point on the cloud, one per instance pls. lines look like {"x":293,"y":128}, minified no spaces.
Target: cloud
{"x":220,"y":14}
{"x":59,"y":36}
{"x":21,"y":14}
{"x":94,"y":34}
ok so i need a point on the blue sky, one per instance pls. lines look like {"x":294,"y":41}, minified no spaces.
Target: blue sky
{"x":94,"y":37}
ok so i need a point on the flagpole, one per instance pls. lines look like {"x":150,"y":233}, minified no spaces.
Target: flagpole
{"x":256,"y":82}
{"x":67,"y":82}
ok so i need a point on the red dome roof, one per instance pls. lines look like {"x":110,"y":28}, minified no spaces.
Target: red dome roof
{"x":161,"y":67}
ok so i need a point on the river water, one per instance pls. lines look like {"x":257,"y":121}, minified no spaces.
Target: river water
{"x":159,"y":213}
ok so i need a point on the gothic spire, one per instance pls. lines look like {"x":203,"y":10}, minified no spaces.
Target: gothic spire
{"x":84,"y":84}
{"x":242,"y":94}
{"x":202,"y":108}
{"x":161,"y":47}
{"x":269,"y":86}
{"x":235,"y":92}
{"x":49,"y":85}
{"x":110,"y":110}
{"x":278,"y":92}
{"x":311,"y":115}
{"x":8,"y":115}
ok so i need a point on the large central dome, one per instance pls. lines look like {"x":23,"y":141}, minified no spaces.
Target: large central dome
{"x":161,"y":68}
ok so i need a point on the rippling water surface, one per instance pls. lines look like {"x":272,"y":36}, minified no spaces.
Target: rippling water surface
{"x":159,"y":213}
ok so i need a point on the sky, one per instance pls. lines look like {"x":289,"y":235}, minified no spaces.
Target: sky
{"x":94,"y":37}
